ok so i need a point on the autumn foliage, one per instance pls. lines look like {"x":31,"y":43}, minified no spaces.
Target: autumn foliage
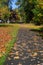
{"x":5,"y":37}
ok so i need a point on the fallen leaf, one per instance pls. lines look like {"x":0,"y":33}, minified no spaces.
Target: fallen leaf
{"x":16,"y":57}
{"x":34,"y":54}
{"x":1,"y":54}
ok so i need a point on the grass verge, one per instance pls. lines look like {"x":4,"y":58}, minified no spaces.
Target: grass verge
{"x":10,"y":44}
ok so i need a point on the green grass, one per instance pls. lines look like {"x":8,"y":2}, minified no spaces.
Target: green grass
{"x":3,"y":58}
{"x":5,"y":25}
{"x":10,"y":44}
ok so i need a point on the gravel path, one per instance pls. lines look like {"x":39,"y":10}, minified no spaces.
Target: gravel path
{"x":28,"y":49}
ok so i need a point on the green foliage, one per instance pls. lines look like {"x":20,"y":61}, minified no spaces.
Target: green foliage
{"x":4,"y":13}
{"x":25,"y":7}
{"x":3,"y":3}
{"x":28,"y":10}
{"x":33,"y":10}
{"x":38,"y":14}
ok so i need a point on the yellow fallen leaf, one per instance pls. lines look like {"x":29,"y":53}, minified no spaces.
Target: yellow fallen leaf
{"x":17,"y":53}
{"x":16,"y":57}
{"x":19,"y":64}
{"x":9,"y":58}
{"x":1,"y":54}
{"x":34,"y":54}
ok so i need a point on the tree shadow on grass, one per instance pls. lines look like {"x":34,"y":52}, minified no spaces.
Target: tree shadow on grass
{"x":40,"y":31}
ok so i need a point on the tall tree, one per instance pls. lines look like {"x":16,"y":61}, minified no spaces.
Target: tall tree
{"x":4,"y":10}
{"x":32,"y":9}
{"x":25,"y":7}
{"x":38,"y":12}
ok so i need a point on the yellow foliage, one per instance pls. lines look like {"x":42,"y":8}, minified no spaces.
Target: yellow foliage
{"x":3,"y":11}
{"x":40,"y":3}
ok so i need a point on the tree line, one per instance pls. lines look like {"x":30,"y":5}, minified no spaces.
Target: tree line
{"x":28,"y":11}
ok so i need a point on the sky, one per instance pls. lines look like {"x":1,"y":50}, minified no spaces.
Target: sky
{"x":13,"y":6}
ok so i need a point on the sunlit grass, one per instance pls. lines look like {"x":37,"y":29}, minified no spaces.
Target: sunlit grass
{"x":31,"y":26}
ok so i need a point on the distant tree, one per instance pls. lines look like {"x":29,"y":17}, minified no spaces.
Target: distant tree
{"x":5,"y":13}
{"x":14,"y":16}
{"x":4,"y":10}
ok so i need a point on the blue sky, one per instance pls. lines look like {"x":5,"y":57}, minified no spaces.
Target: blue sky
{"x":13,"y":4}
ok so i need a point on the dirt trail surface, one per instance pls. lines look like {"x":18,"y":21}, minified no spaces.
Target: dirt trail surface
{"x":28,"y":49}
